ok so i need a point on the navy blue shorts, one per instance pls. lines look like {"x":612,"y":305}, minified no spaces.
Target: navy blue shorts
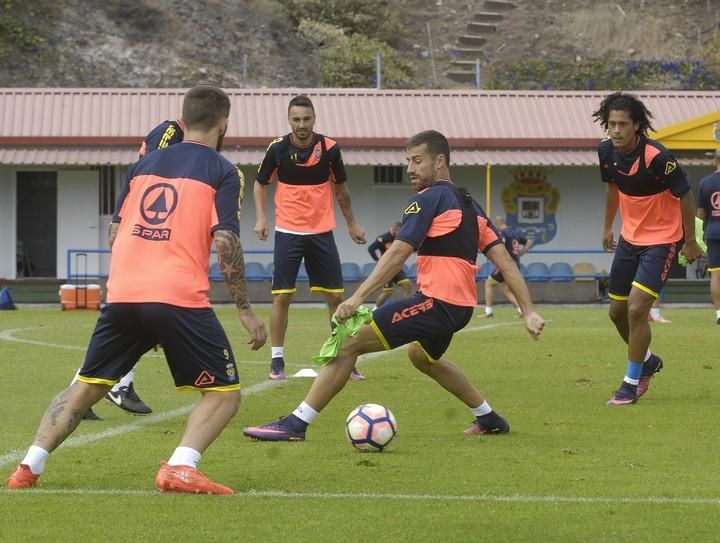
{"x":399,"y":278}
{"x":428,"y":321}
{"x":497,"y":276}
{"x":645,"y":267}
{"x":322,"y":262}
{"x":196,"y":348}
{"x":713,"y":254}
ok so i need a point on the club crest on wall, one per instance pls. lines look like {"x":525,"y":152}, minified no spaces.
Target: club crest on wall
{"x":531,"y":202}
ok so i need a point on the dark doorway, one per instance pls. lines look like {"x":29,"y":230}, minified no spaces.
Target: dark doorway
{"x":37,"y":224}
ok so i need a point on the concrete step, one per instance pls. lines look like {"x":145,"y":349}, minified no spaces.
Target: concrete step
{"x":481,"y":28}
{"x":474,"y":52}
{"x":499,"y":4}
{"x":687,"y":290}
{"x":468,"y":64}
{"x":487,"y":17}
{"x":460,"y":75}
{"x":470,"y":39}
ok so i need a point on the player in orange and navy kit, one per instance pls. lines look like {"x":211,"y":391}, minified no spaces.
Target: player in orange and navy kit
{"x":309,"y":169}
{"x":447,"y":228}
{"x":123,"y":394}
{"x":657,"y":210}
{"x":173,"y":205}
{"x":708,"y":209}
{"x":378,"y":248}
{"x":164,"y":135}
{"x":516,"y":245}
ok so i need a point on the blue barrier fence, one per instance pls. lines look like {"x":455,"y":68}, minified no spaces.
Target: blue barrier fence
{"x":560,"y":270}
{"x":256,"y":271}
{"x":214,"y":274}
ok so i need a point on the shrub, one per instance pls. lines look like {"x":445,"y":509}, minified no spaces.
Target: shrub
{"x":351,"y":63}
{"x":373,"y":18}
{"x":607,"y":73}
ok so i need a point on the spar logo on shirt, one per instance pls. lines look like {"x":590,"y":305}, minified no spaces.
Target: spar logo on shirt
{"x":715,"y":203}
{"x":157,"y":204}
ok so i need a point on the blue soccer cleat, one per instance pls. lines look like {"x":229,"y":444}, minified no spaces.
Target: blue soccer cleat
{"x":492,"y":423}
{"x":288,"y":428}
{"x":277,"y":369}
{"x":625,"y":395}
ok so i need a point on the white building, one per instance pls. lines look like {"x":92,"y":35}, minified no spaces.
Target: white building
{"x":529,"y":156}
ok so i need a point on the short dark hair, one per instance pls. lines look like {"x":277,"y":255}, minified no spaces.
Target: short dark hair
{"x":436,"y":143}
{"x":204,"y":106}
{"x":302,"y":101}
{"x":623,"y":101}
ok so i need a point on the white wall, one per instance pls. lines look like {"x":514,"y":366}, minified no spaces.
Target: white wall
{"x":78,"y":219}
{"x":8,"y":223}
{"x":578,"y":219}
{"x":579,"y":215}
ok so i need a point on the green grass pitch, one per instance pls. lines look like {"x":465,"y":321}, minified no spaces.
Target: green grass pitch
{"x":572,"y":469}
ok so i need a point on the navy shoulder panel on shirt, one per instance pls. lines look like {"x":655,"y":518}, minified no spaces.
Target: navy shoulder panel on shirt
{"x":278,"y":144}
{"x":164,"y":135}
{"x":186,"y":160}
{"x":605,"y":149}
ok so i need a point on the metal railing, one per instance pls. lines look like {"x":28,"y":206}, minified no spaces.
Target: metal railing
{"x":75,"y":276}
{"x":255,"y":274}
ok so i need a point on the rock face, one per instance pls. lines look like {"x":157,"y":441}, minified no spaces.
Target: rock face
{"x":251,"y":43}
{"x":169,"y":43}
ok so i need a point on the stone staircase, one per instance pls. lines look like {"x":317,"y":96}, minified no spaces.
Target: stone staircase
{"x":470,"y":44}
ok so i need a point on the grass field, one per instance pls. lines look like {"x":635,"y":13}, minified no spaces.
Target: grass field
{"x":572,"y":469}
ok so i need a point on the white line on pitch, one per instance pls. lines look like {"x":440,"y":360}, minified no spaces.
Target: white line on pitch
{"x":512,"y":498}
{"x":9,"y":335}
{"x":14,"y":455}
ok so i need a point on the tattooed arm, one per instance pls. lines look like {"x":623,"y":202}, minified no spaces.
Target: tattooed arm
{"x":232,"y":266}
{"x":112,"y":232}
{"x":342,"y":195}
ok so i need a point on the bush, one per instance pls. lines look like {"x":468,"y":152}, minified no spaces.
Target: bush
{"x":351,"y":63}
{"x":320,"y":34}
{"x":607,"y":73}
{"x":373,"y":18}
{"x":25,"y":28}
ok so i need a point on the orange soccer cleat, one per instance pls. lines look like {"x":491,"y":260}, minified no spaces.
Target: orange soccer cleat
{"x":187,"y":480}
{"x":22,"y":477}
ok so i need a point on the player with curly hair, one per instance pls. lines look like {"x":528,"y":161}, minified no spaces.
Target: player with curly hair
{"x":657,"y":209}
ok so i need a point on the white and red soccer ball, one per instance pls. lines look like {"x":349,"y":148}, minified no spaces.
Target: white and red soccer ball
{"x":370,"y":427}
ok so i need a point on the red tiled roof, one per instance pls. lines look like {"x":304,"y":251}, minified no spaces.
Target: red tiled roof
{"x":341,"y":113}
{"x":110,"y":156}
{"x":40,"y":156}
{"x":372,"y":126}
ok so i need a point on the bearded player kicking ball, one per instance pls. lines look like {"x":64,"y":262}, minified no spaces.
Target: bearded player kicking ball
{"x":447,"y":228}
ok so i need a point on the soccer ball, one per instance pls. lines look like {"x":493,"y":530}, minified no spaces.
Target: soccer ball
{"x":370,"y":427}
